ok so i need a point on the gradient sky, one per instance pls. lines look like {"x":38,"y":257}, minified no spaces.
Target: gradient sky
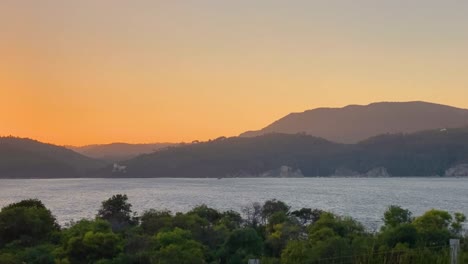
{"x":96,"y":71}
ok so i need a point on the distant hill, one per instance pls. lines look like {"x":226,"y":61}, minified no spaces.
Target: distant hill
{"x":226,"y":156}
{"x":355,"y":123}
{"x":26,"y":158}
{"x":426,"y":153}
{"x":118,"y":151}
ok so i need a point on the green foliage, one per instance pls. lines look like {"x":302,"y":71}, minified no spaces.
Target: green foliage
{"x":333,"y":236}
{"x":137,"y":247}
{"x":406,"y":234}
{"x":231,"y":220}
{"x":280,"y":235}
{"x":30,"y":203}
{"x":298,"y":252}
{"x":433,"y":227}
{"x":8,"y":258}
{"x":42,"y":254}
{"x":243,"y":244}
{"x":395,"y":216}
{"x":207,"y":236}
{"x":341,"y":226}
{"x":457,"y":225}
{"x":209,"y":214}
{"x":307,"y":215}
{"x":27,"y":222}
{"x":154,"y":221}
{"x":253,"y":214}
{"x":272,"y":207}
{"x":117,"y":211}
{"x":177,"y":246}
{"x":89,"y":241}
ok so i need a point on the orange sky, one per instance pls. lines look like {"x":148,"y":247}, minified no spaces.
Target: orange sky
{"x":82,"y":72}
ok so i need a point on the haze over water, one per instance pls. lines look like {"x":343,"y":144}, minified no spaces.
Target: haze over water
{"x":364,"y":199}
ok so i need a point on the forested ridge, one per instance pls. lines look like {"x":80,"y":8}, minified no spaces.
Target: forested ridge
{"x":27,"y":158}
{"x":270,"y":232}
{"x":427,"y":153}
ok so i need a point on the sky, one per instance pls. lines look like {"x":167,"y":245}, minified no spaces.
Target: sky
{"x":101,"y":71}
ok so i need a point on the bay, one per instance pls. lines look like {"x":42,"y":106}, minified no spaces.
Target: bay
{"x":364,"y":199}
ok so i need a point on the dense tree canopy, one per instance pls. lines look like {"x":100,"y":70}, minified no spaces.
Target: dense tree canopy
{"x":396,"y":216}
{"x":269,"y":232}
{"x":117,"y":211}
{"x":27,"y":222}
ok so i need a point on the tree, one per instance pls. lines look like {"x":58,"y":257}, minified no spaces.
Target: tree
{"x":307,"y":215}
{"x":271,"y":207}
{"x":278,"y":238}
{"x":253,"y":214}
{"x":436,"y":227}
{"x":28,"y":221}
{"x":342,"y":226}
{"x":232,"y":220}
{"x":210,"y":214}
{"x":457,"y":225}
{"x":177,"y":246}
{"x":117,"y":211}
{"x":277,"y":218}
{"x":137,"y":247}
{"x":153,"y":221}
{"x":89,"y":241}
{"x":334,"y":236}
{"x":298,"y":252}
{"x":194,"y":223}
{"x":396,"y":215}
{"x":433,"y":227}
{"x":243,"y":244}
{"x":401,"y":234}
{"x":41,"y":254}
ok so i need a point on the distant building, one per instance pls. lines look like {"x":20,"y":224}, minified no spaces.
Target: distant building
{"x":119,"y":168}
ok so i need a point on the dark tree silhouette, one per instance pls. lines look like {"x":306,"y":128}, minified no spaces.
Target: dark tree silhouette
{"x":117,"y":211}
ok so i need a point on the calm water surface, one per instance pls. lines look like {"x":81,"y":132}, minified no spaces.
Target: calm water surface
{"x":362,"y":198}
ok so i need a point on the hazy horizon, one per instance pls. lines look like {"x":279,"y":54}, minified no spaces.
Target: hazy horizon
{"x":98,"y":144}
{"x":97,"y":72}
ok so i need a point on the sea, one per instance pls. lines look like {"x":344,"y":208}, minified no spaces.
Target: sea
{"x":364,"y":199}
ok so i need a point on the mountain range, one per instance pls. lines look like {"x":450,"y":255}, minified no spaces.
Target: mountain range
{"x":355,"y":123}
{"x":427,"y":153}
{"x":381,"y":139}
{"x":115,"y":152}
{"x":27,"y":158}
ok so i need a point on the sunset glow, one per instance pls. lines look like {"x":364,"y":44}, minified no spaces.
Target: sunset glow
{"x":84,"y":72}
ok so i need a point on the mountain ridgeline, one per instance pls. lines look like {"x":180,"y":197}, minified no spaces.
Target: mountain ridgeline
{"x":118,"y":151}
{"x":27,"y":158}
{"x":355,"y":123}
{"x":381,"y":139}
{"x":428,"y":153}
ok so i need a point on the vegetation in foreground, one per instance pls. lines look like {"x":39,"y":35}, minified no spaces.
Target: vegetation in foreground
{"x":271,"y":232}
